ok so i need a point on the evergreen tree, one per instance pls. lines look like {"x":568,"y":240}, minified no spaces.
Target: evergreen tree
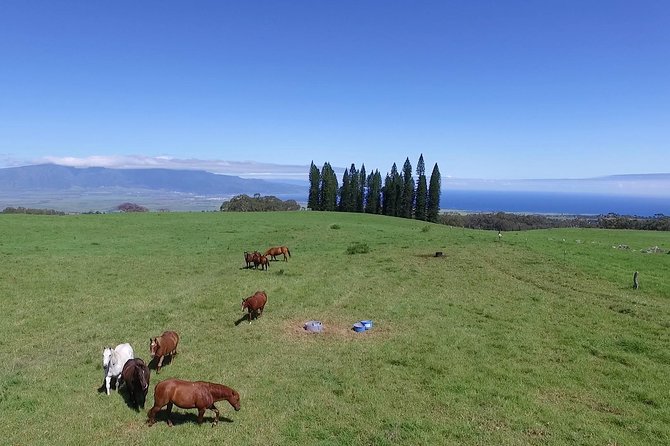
{"x":314,"y":185}
{"x":354,"y":188}
{"x":434,"y":195}
{"x":396,"y":192}
{"x":373,"y":200}
{"x":407,"y":191}
{"x":421,"y":191}
{"x":345,"y":192}
{"x":377,"y":192}
{"x":360,"y":195}
{"x":328,"y":190}
{"x":387,"y":196}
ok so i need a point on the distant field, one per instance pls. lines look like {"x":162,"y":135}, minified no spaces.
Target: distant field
{"x":537,"y":338}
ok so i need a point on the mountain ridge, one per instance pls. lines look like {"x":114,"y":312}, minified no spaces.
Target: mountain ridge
{"x":53,"y":177}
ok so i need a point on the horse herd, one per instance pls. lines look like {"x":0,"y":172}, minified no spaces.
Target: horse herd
{"x":120,"y":365}
{"x":256,"y":258}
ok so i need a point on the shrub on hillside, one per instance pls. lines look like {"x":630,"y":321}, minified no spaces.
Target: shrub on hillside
{"x":245,"y":203}
{"x":131,"y":207}
{"x":358,"y":248}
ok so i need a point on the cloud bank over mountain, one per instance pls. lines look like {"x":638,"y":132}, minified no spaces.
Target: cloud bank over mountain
{"x":652,"y":185}
{"x":242,"y":169}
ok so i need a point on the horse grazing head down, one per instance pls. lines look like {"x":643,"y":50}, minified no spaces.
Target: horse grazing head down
{"x":199,"y":395}
{"x":136,"y":375}
{"x":255,"y":304}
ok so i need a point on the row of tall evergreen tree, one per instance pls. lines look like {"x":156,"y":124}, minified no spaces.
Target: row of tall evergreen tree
{"x":398,"y":195}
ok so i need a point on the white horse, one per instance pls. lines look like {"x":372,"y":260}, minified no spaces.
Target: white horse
{"x":113,"y":361}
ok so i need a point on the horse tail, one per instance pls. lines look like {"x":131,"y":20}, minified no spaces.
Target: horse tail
{"x":289,"y":252}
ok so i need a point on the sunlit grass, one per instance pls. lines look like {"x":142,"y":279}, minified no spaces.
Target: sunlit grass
{"x":537,"y":338}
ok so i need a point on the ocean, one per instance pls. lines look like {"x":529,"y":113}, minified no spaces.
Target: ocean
{"x":551,"y":203}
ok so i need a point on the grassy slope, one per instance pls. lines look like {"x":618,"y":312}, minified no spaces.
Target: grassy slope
{"x":534,"y":339}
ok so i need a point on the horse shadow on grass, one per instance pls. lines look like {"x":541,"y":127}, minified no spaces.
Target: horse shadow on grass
{"x":187,"y":417}
{"x":125,"y":394}
{"x":112,"y":386}
{"x":245,"y":317}
{"x":153,"y":364}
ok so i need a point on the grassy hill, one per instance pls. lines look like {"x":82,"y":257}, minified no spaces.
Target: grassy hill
{"x":537,"y":338}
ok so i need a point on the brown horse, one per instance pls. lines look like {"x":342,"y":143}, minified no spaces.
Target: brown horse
{"x":278,"y":250}
{"x":255,"y":304}
{"x":162,"y":346}
{"x":136,"y":376}
{"x":249,"y":257}
{"x":199,"y":395}
{"x":262,"y":261}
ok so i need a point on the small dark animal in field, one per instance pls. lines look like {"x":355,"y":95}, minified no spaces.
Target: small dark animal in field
{"x":636,"y":283}
{"x":162,"y":346}
{"x":255,"y":304}
{"x":278,"y":250}
{"x":199,"y":395}
{"x":136,"y":376}
{"x":249,"y":257}
{"x":262,"y":261}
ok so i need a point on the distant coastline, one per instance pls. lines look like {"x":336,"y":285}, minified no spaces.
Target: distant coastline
{"x":552,"y":203}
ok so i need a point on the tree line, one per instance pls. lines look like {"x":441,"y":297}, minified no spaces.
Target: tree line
{"x":399,"y":195}
{"x":501,"y":221}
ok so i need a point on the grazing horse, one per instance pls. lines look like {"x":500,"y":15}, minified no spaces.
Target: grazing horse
{"x":162,"y":346}
{"x":255,"y":304}
{"x":136,"y":377}
{"x":113,"y":361}
{"x":262,"y":261}
{"x":249,"y":257}
{"x":277,"y":250}
{"x":199,"y":395}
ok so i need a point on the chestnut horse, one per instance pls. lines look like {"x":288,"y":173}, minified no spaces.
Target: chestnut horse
{"x":255,"y":304}
{"x":277,"y":250}
{"x":262,"y":261}
{"x":162,"y":346}
{"x":249,"y":257}
{"x":136,"y":377}
{"x":199,"y":395}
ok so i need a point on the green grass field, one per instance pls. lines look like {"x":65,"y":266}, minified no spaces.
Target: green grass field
{"x":537,"y":338}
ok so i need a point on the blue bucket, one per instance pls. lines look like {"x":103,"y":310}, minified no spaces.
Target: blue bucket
{"x":358,"y":327}
{"x":367,"y":324}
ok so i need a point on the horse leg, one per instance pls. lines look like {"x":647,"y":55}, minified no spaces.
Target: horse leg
{"x":159,"y":365}
{"x":108,"y":381}
{"x":201,"y":415}
{"x":169,"y":412}
{"x":216,"y":414}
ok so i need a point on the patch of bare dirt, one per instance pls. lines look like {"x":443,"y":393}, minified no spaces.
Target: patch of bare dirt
{"x":334,"y":330}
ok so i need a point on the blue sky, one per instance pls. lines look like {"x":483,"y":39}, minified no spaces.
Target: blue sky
{"x":486,"y":89}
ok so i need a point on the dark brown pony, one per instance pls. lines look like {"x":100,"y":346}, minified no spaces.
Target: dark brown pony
{"x":262,"y":261}
{"x":278,"y":250}
{"x":249,"y":257}
{"x":199,"y":395}
{"x":136,"y":375}
{"x":162,"y":346}
{"x":255,"y":304}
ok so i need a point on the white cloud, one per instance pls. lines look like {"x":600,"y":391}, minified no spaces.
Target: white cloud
{"x":245,"y":169}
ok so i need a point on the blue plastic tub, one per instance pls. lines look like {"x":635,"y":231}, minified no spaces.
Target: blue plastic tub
{"x":367,"y":324}
{"x":358,"y":327}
